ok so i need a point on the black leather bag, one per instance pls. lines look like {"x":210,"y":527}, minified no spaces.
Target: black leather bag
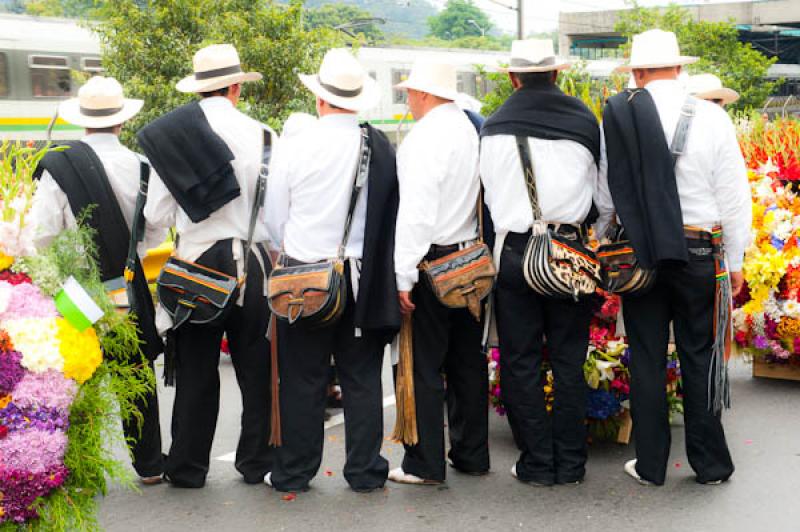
{"x":316,"y":294}
{"x":193,"y":293}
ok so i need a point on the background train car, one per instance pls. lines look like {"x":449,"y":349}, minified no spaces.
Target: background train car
{"x":40,"y":62}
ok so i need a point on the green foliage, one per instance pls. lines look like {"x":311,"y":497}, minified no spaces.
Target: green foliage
{"x":489,"y":42}
{"x":150,"y":48}
{"x":737,"y":64}
{"x":403,"y":17}
{"x":62,"y":8}
{"x":453,"y":21}
{"x":332,"y":15}
{"x":109,"y":395}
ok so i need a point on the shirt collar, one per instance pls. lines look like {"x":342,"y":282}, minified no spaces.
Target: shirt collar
{"x":339,"y":120}
{"x":216,"y":102}
{"x":662,"y":86}
{"x":102,"y":140}
{"x":441,"y":110}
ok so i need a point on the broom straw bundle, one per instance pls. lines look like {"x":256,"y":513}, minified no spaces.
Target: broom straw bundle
{"x":405,"y":428}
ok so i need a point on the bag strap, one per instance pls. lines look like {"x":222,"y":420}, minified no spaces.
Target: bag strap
{"x":682,"y":129}
{"x":138,"y":224}
{"x":530,"y":177}
{"x":480,"y":213}
{"x":359,"y":180}
{"x":258,"y":199}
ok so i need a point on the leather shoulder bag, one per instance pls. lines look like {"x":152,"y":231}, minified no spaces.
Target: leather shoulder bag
{"x":193,"y":293}
{"x":556,"y":262}
{"x":464,"y":278}
{"x":316,"y":294}
{"x":621,"y":272}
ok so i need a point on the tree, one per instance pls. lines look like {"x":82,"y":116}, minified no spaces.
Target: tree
{"x":150,"y":48}
{"x":454,"y":21}
{"x":332,"y":15}
{"x":737,"y":64}
{"x":62,"y":8}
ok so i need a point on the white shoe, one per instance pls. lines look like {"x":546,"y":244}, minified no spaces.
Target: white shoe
{"x":401,"y":477}
{"x":514,"y":471}
{"x":630,"y":469}
{"x":268,"y":479}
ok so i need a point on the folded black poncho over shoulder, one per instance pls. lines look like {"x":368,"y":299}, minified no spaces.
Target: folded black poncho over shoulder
{"x":192,"y":160}
{"x":641,"y":179}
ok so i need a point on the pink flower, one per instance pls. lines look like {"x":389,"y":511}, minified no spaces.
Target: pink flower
{"x":48,"y":389}
{"x":27,"y":301}
{"x":33,"y":450}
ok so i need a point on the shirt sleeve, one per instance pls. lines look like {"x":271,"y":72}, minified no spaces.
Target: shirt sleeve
{"x":276,"y":211}
{"x":732,"y":193}
{"x":602,"y":194}
{"x":418,"y":173}
{"x":153,"y":235}
{"x":161,"y":207}
{"x":47,"y":212}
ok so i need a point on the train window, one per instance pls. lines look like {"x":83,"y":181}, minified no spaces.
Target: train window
{"x":50,"y":77}
{"x":398,"y":76}
{"x":91,"y":64}
{"x":3,"y":76}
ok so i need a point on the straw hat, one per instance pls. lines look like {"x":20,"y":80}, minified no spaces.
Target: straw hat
{"x":435,"y":78}
{"x":655,"y":49}
{"x":534,"y":55}
{"x":709,"y":87}
{"x":100,"y":104}
{"x":343,"y":82}
{"x":215,"y":67}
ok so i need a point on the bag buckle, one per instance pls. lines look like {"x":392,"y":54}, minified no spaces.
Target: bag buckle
{"x":294,"y":303}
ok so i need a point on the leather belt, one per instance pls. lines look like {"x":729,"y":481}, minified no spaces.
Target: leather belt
{"x":696,"y":233}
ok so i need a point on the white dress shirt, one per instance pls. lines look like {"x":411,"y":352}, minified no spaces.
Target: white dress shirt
{"x":437,"y":169}
{"x":566,"y":182}
{"x":245,"y":138}
{"x":309,"y":189}
{"x":51,"y":213}
{"x":711,"y":173}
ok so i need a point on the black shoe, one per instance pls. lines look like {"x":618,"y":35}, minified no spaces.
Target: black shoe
{"x":367,"y":490}
{"x":465,"y":472}
{"x":181,"y":484}
{"x":253,"y":479}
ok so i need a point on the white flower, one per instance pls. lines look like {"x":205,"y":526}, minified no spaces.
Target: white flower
{"x":5,"y":295}
{"x":791,"y":308}
{"x":37,"y":340}
{"x":606,"y":369}
{"x":739,"y":320}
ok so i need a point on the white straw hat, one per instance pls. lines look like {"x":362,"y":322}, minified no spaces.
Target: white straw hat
{"x":343,"y":82}
{"x":655,"y":49}
{"x":439,"y":79}
{"x":100,"y":104}
{"x":215,"y":67}
{"x":709,"y":87}
{"x":534,"y":55}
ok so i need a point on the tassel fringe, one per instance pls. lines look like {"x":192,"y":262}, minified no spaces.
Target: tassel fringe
{"x":719,"y":393}
{"x":275,"y":438}
{"x":405,"y":428}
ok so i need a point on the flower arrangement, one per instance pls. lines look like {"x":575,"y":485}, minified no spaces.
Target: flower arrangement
{"x":606,"y":372}
{"x":59,"y":398}
{"x":767,"y":315}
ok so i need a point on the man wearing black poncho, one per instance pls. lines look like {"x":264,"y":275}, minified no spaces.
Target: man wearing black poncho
{"x":563,"y":137}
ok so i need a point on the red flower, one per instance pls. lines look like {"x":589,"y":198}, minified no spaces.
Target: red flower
{"x":741,"y":338}
{"x":3,"y":431}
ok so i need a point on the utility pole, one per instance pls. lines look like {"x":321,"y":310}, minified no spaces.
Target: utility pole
{"x":520,"y":20}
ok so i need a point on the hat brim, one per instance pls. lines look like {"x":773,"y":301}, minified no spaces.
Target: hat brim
{"x":563,"y":65}
{"x":679,"y":61}
{"x":441,"y":92}
{"x":192,"y":84}
{"x":70,"y":111}
{"x":366,"y":99}
{"x":725,"y":94}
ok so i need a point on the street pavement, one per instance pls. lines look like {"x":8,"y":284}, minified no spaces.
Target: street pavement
{"x":763,"y":429}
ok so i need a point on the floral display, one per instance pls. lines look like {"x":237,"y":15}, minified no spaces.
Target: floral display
{"x":58,"y":398}
{"x":606,"y":372}
{"x":767,"y":315}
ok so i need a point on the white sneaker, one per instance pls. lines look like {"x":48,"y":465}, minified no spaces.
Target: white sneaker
{"x":401,"y":477}
{"x":268,"y":479}
{"x":514,"y":471}
{"x":630,"y":469}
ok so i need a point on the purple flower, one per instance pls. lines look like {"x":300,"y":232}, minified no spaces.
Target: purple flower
{"x":33,"y":450}
{"x":11,"y":372}
{"x":48,"y":389}
{"x":20,"y":490}
{"x":42,"y":418}
{"x":625,"y":359}
{"x":771,"y":328}
{"x":760,"y":342}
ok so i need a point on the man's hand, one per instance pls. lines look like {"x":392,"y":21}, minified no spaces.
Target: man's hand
{"x":737,"y":282}
{"x":406,"y":306}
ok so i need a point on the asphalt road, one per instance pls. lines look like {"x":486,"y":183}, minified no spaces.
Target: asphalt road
{"x":763,"y":431}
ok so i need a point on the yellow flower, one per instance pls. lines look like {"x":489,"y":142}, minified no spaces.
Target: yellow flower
{"x":765,"y":268}
{"x":4,"y":400}
{"x":5,"y":261}
{"x":80,"y":351}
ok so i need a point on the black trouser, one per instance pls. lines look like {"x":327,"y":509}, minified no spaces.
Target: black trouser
{"x":148,"y":458}
{"x":305,"y":355}
{"x":685,"y":296}
{"x":447,"y":341}
{"x":553,"y":447}
{"x":196,"y":407}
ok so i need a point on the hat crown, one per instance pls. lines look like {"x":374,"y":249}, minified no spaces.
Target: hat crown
{"x":703,"y":83}
{"x":534,"y":51}
{"x":436,"y":75}
{"x":341,"y":70}
{"x":655,"y":47}
{"x":101,"y":93}
{"x":215,"y":57}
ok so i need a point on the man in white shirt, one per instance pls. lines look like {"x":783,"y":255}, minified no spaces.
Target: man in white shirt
{"x":669,"y":217}
{"x":71,"y":182}
{"x":215,"y":238}
{"x":564,"y":141}
{"x":308,"y":201}
{"x":437,"y":167}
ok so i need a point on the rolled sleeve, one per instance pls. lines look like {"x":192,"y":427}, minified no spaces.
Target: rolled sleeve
{"x":50,"y":212}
